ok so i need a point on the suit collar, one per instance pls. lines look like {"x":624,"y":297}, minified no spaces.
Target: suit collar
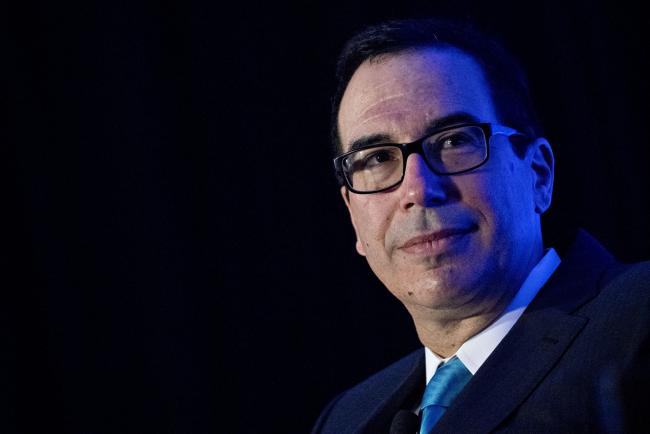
{"x":535,"y":343}
{"x":515,"y":368}
{"x":585,"y":258}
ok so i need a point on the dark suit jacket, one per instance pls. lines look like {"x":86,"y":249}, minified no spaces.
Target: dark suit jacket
{"x":557,"y":370}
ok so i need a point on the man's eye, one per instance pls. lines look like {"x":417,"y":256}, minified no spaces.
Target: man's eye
{"x":454,"y":141}
{"x":377,"y":158}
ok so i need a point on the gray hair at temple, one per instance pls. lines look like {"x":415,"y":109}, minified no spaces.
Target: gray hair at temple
{"x":505,"y":76}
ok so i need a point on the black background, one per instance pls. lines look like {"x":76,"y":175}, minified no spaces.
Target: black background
{"x":177,"y":258}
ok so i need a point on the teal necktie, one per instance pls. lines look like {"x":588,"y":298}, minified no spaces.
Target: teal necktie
{"x":443,"y":387}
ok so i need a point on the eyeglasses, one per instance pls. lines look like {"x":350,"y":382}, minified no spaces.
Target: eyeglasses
{"x":446,"y":151}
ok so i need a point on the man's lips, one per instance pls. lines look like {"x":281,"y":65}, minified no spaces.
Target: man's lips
{"x":435,"y":241}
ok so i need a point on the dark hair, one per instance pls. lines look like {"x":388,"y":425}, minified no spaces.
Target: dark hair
{"x":505,"y":77}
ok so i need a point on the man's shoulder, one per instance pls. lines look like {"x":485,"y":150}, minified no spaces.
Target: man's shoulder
{"x":368,"y":401}
{"x":589,"y":274}
{"x":627,"y":286}
{"x":619,"y":314}
{"x":634,"y":276}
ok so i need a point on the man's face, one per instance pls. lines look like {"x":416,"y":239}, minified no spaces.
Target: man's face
{"x":454,"y":244}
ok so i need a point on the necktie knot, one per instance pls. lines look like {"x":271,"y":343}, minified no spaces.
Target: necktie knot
{"x":448,"y":381}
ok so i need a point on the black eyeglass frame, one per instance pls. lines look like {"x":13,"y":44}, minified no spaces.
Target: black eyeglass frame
{"x":416,"y":147}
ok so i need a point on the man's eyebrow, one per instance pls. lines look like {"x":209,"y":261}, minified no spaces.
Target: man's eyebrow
{"x":449,"y":120}
{"x":370,"y":140}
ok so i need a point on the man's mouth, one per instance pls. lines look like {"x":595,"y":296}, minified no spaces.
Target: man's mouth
{"x":436,"y":242}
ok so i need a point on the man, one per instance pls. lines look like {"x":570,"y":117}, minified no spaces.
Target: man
{"x":445,"y":175}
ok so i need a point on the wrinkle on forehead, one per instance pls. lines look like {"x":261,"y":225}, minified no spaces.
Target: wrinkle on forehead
{"x":396,"y":115}
{"x":376,"y":97}
{"x":363,"y":110}
{"x":390,"y":110}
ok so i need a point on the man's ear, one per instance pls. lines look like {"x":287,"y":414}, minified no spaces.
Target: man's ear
{"x":345,"y":194}
{"x":543,"y":164}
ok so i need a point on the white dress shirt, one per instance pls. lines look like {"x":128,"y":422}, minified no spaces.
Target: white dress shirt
{"x":479,"y":347}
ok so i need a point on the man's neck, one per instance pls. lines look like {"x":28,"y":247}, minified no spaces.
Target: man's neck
{"x":444,"y":334}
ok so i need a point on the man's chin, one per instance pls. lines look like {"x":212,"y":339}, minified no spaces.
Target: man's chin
{"x":436,"y":296}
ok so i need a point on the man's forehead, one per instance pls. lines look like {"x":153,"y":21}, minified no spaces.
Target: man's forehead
{"x":397,"y":94}
{"x":428,"y":127}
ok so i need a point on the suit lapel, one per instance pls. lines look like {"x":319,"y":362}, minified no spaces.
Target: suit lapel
{"x":401,"y":390}
{"x":533,"y":346}
{"x":514,"y":369}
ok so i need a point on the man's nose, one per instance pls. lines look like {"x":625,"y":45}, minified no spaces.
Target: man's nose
{"x":421,"y":186}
